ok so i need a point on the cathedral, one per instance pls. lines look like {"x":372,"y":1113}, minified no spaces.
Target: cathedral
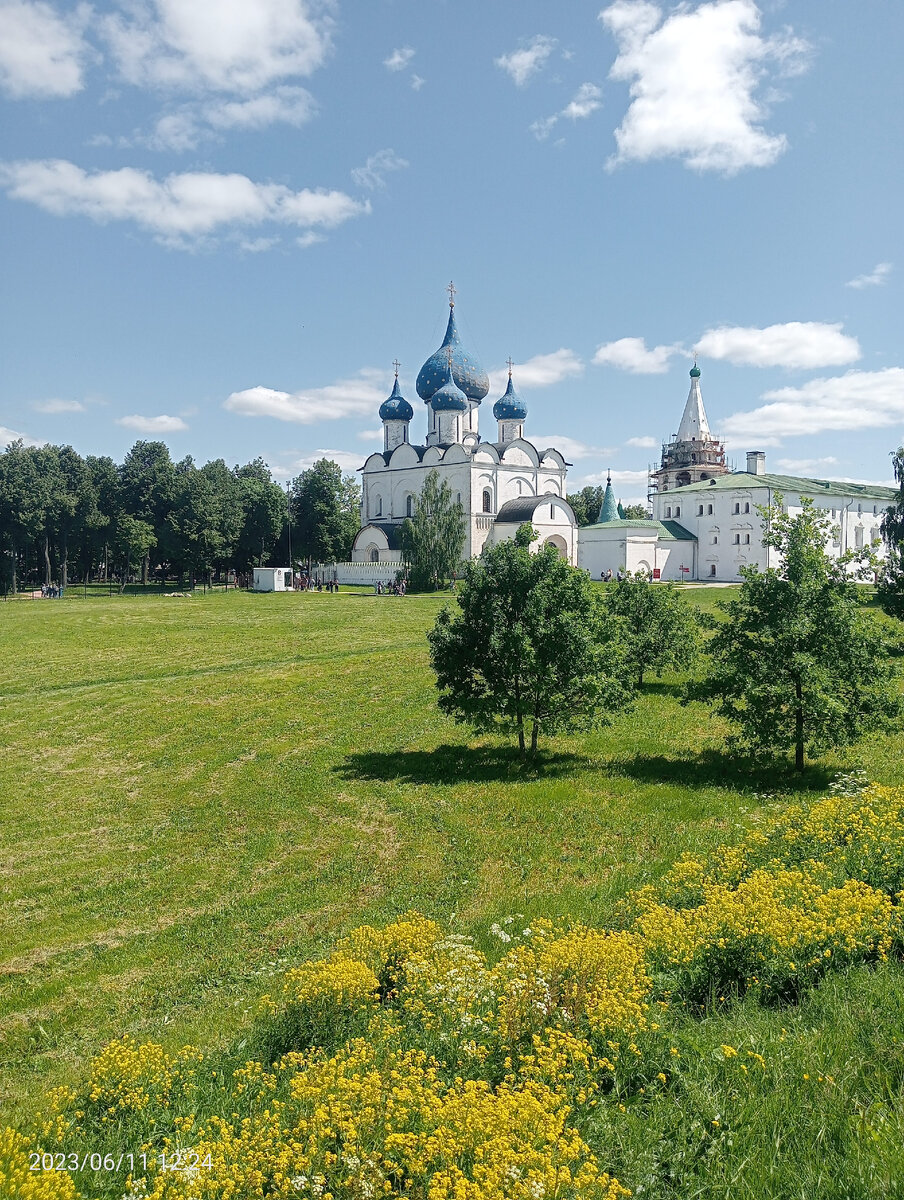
{"x":705,"y":522}
{"x":501,"y":483}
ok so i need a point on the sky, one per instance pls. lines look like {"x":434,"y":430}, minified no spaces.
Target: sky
{"x":223,"y":220}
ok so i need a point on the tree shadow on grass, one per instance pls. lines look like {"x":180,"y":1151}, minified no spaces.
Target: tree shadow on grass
{"x":458,"y":764}
{"x":718,"y":768}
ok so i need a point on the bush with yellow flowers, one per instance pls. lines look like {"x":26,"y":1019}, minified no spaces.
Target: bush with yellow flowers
{"x":406,"y":1063}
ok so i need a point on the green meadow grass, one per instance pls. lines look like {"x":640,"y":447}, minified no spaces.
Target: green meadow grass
{"x":196,"y":793}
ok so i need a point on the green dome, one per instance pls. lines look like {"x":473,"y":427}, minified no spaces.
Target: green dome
{"x":695,"y":372}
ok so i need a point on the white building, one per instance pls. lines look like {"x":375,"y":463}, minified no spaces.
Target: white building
{"x":501,"y":483}
{"x":272,"y":579}
{"x":705,"y":522}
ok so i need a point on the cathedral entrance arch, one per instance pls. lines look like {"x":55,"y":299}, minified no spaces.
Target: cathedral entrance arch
{"x":558,"y":543}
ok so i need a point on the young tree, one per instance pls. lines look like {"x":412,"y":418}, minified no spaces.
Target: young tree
{"x":531,"y":646}
{"x":325,"y":513}
{"x":433,"y":537}
{"x":636,"y":512}
{"x":797,"y":665}
{"x":661,"y":630}
{"x":263,"y":514}
{"x":133,"y":541}
{"x":890,"y":588}
{"x":147,"y":481}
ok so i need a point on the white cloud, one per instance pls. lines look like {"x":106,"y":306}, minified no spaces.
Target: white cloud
{"x":183,"y":128}
{"x":10,"y":435}
{"x":373,"y":174}
{"x":586,"y":100}
{"x":309,"y":239}
{"x":642,"y":443}
{"x":853,"y":401}
{"x":359,"y":396}
{"x":161,"y":424}
{"x":232,"y":45}
{"x":258,"y":245}
{"x":875,"y":278}
{"x":522,"y":64}
{"x":694,"y":79}
{"x":399,"y":59}
{"x":178,"y":209}
{"x":417,"y":83}
{"x":796,"y":344}
{"x":621,"y":481}
{"x":806,"y":466}
{"x":371,"y":435}
{"x":570,"y":447}
{"x":42,"y":52}
{"x":542,"y":370}
{"x":631,"y":354}
{"x":58,"y":406}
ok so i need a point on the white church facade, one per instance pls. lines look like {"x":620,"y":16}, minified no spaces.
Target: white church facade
{"x":705,"y":521}
{"x":501,"y":484}
{"x":705,"y":525}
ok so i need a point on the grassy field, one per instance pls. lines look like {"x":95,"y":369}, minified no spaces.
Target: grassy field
{"x":196,"y":793}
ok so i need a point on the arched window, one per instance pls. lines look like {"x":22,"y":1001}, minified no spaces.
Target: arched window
{"x":737,"y":507}
{"x":375,"y":555}
{"x":747,"y":508}
{"x":409,"y":507}
{"x":746,"y":539}
{"x":378,"y":506}
{"x":709,"y":510}
{"x":487,"y":500}
{"x":668,"y":511}
{"x":699,"y":510}
{"x":552,"y":512}
{"x":712,"y":569}
{"x":678,"y":510}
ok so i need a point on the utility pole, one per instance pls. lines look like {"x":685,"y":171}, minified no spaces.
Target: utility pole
{"x":289,"y":524}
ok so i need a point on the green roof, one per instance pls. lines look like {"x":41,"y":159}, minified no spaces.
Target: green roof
{"x":667,"y":531}
{"x":609,"y":507}
{"x":788,"y":483}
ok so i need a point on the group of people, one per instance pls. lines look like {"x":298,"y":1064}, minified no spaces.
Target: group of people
{"x":51,"y":591}
{"x":304,"y":583}
{"x":395,"y":588}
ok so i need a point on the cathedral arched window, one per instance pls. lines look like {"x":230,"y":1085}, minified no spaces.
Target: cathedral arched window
{"x":378,"y":506}
{"x":487,"y":500}
{"x":409,"y":506}
{"x":699,"y":510}
{"x":677,"y":510}
{"x":712,"y":569}
{"x":747,"y":507}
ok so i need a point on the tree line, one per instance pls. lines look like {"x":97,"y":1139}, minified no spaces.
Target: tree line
{"x":64,"y":517}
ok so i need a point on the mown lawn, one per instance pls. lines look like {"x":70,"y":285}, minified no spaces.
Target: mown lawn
{"x":197,"y":792}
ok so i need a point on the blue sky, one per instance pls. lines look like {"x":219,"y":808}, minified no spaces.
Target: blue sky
{"x":223,"y":220}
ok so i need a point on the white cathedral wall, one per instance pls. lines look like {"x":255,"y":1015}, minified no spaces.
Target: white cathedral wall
{"x":728,"y":540}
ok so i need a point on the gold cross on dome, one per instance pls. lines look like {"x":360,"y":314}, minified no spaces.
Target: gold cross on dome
{"x":396,"y":364}
{"x":451,"y":289}
{"x":510,"y":364}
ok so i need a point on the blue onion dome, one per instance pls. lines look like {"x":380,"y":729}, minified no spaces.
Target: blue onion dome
{"x":510,"y":406}
{"x":396,"y":407}
{"x":449,"y":397}
{"x":467,"y":372}
{"x":695,"y":372}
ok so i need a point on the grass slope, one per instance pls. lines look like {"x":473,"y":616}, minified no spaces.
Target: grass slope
{"x":195,"y":793}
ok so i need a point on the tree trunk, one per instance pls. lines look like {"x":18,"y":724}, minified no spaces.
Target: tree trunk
{"x":64,"y":562}
{"x":47,"y":561}
{"x":145,"y":563}
{"x":640,"y":678}
{"x":534,"y":733}
{"x":798,"y":728}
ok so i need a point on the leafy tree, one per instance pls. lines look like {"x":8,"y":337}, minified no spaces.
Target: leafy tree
{"x":100,"y":520}
{"x":71,"y":503}
{"x":797,"y":664}
{"x":133,"y":541}
{"x":325,"y":513}
{"x":636,"y":512}
{"x":890,"y":589}
{"x":661,"y":631}
{"x":147,"y":482}
{"x":433,"y":537}
{"x":24,"y":499}
{"x":531,"y":646}
{"x":263,"y":514}
{"x":586,"y":504}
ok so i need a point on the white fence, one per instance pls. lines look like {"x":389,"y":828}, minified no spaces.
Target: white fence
{"x":364,"y":573}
